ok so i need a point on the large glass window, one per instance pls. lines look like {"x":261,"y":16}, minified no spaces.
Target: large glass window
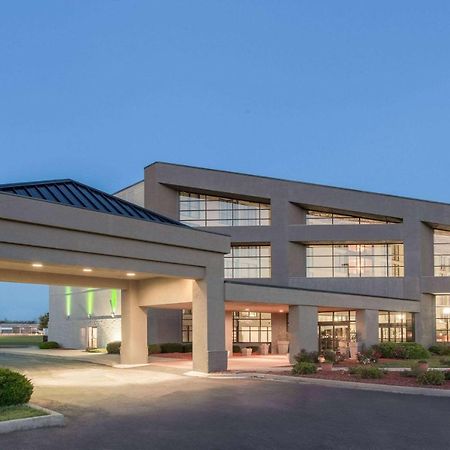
{"x":441,"y":253}
{"x":354,"y":260}
{"x":248,"y":261}
{"x":251,"y":326}
{"x":395,"y":326}
{"x":210,"y":211}
{"x":336,"y":329}
{"x":187,"y":325}
{"x":443,"y":318}
{"x":324,"y":218}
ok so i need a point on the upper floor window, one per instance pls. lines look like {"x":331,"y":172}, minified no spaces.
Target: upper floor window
{"x":354,"y":260}
{"x":324,"y":218}
{"x":441,"y":253}
{"x":209,"y":211}
{"x":248,"y":261}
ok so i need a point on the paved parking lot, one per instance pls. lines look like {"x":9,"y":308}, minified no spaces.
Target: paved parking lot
{"x":159,"y":408}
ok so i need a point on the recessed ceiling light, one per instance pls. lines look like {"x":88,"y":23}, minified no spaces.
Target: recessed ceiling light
{"x":247,"y":309}
{"x":87,"y":269}
{"x":37,"y":265}
{"x":281,"y":310}
{"x":131,"y":274}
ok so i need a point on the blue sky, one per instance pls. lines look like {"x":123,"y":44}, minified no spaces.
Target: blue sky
{"x":354,"y":94}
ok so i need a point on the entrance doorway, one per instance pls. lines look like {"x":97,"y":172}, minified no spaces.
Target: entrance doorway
{"x":336,"y":330}
{"x":92,"y":337}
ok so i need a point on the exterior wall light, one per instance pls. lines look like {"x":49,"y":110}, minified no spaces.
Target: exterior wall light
{"x":131,"y":274}
{"x":37,"y":265}
{"x":87,"y":269}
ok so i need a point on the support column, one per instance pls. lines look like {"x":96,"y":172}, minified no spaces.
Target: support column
{"x":302,"y":330}
{"x":134,"y":348}
{"x":425,"y":321}
{"x":208,"y":322}
{"x":279,"y":330}
{"x":366,"y":327}
{"x":229,"y":332}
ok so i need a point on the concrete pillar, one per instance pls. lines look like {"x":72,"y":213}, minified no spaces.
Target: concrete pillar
{"x":208,"y":323}
{"x":229,"y":332}
{"x":302,"y":329}
{"x":279,"y":329}
{"x":367,"y":327}
{"x":134,"y":348}
{"x":425,"y":321}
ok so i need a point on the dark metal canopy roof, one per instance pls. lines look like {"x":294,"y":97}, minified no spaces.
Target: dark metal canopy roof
{"x":79,"y":195}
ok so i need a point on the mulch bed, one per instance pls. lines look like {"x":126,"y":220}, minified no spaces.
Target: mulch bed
{"x":391,"y":378}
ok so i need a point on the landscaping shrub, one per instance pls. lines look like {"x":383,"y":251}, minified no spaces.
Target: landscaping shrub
{"x":171,"y":347}
{"x":304,"y":356}
{"x":330,"y":356}
{"x":236,"y":349}
{"x":440,"y":349}
{"x":447,"y":375}
{"x":48,"y":345}
{"x":187,"y":347}
{"x":432,"y":377}
{"x":154,"y":348}
{"x":366,"y":372}
{"x":15,"y":388}
{"x":113,"y":348}
{"x":401,"y":350}
{"x":445,"y":362}
{"x":304,"y":368}
{"x":369,"y":356}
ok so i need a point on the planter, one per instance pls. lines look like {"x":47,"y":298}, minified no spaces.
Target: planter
{"x":353,"y":347}
{"x":283,"y":347}
{"x":264,"y":349}
{"x":246,"y":351}
{"x":423,"y":366}
{"x":327,"y":366}
{"x":321,"y":359}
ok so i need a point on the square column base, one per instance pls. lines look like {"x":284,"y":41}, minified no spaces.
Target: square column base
{"x":217,"y":361}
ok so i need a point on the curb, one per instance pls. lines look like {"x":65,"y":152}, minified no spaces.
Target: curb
{"x":53,"y":419}
{"x":351,"y":385}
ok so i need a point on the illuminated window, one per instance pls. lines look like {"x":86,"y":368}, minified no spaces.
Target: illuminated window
{"x":251,"y":326}
{"x":248,"y":261}
{"x":354,"y":260}
{"x":336,"y":327}
{"x":187,"y":325}
{"x":443,"y":318}
{"x":441,"y":253}
{"x":395,"y":326}
{"x":209,"y":211}
{"x":323,"y":218}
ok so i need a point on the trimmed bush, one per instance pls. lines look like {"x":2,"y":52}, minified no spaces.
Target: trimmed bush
{"x":187,"y":347}
{"x":330,"y":356}
{"x":366,"y":372}
{"x":306,"y":357}
{"x":432,"y":377}
{"x":154,"y":348}
{"x":113,"y":348}
{"x":304,"y":368}
{"x":15,"y":388}
{"x":48,"y":345}
{"x":440,"y":349}
{"x":171,"y":347}
{"x":401,"y":350}
{"x":447,"y":375}
{"x":236,"y":349}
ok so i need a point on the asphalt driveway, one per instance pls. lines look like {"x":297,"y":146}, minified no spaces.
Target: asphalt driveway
{"x":153,"y":408}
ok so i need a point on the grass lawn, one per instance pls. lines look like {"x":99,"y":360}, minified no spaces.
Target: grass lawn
{"x":20,"y":340}
{"x":434,"y":361}
{"x":19,"y":412}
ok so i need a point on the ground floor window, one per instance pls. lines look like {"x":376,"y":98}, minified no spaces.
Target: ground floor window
{"x":395,"y":326}
{"x":336,"y":329}
{"x":187,"y":325}
{"x":251,"y":326}
{"x":443,"y":318}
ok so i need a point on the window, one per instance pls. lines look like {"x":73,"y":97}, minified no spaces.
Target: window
{"x":336,"y":327}
{"x":252,"y":327}
{"x":187,"y":325}
{"x":248,"y":261}
{"x":395,"y":326}
{"x":323,"y":218}
{"x":354,"y":260}
{"x":441,"y":253}
{"x":443,"y":318}
{"x":209,"y":211}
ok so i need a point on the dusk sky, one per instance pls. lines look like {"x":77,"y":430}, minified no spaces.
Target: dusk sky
{"x":353,"y":94}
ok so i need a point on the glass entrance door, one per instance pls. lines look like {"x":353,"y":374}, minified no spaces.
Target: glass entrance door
{"x":92,"y":337}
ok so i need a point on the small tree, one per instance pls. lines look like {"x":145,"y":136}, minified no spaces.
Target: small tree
{"x":43,"y":321}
